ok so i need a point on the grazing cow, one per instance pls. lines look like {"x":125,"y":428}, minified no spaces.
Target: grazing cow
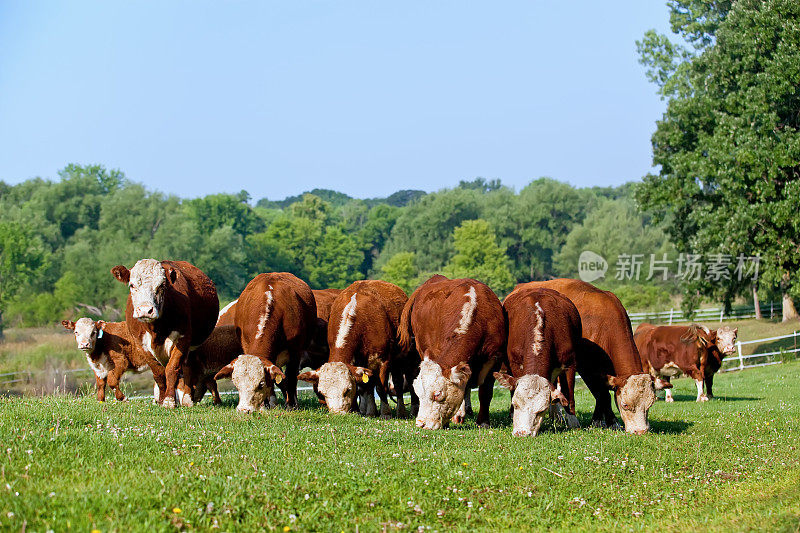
{"x":693,"y":350}
{"x":203,"y":363}
{"x":362,"y":335}
{"x":227,"y":314}
{"x":275,"y":317}
{"x":172,"y":307}
{"x":460,"y":332}
{"x":608,"y":338}
{"x":318,"y":351}
{"x":110,"y":352}
{"x":544,"y":333}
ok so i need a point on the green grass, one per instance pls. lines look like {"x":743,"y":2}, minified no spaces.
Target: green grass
{"x":731,"y":464}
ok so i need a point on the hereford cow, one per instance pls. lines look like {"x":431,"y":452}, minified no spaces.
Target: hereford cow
{"x":276,"y":317}
{"x":362,"y":335}
{"x":172,"y":307}
{"x":203,"y":363}
{"x":460,"y":332}
{"x":110,"y":352}
{"x":318,"y":351}
{"x":609,"y":347}
{"x":544,"y":333}
{"x":693,"y":350}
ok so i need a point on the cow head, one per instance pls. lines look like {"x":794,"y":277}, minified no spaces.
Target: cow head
{"x":337,"y":383}
{"x":440,"y":392}
{"x":254,"y":379}
{"x":635,"y":395}
{"x":530,"y":396}
{"x":147,"y":281}
{"x":87,"y":331}
{"x":726,"y":339}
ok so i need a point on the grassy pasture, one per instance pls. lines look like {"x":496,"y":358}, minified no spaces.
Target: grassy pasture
{"x":732,"y":464}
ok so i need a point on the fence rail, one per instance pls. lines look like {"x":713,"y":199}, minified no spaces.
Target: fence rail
{"x":676,"y":316}
{"x":742,"y":358}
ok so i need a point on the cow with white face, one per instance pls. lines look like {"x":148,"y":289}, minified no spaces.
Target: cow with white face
{"x":110,"y":352}
{"x":337,"y":384}
{"x":531,"y":400}
{"x":460,"y":330}
{"x":172,"y":308}
{"x":253,"y":378}
{"x":635,"y":395}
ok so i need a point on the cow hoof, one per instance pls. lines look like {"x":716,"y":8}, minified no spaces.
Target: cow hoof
{"x":484,"y":425}
{"x":169,"y":403}
{"x":669,"y":399}
{"x":702,"y":399}
{"x":599,"y":424}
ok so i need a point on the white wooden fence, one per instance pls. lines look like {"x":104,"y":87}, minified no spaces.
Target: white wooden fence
{"x":717,"y":314}
{"x":740,"y":359}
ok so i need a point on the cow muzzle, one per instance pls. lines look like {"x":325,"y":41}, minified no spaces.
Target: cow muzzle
{"x":145,"y":313}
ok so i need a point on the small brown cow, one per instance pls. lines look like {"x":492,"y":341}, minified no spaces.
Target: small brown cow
{"x":693,"y":350}
{"x":276,"y":317}
{"x":110,"y":352}
{"x":362,"y":335}
{"x":203,"y":363}
{"x":460,"y":332}
{"x":544,"y":333}
{"x":610,"y":359}
{"x":172,"y":307}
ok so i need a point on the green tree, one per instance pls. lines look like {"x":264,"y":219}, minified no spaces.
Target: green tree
{"x":22,"y":258}
{"x":479,"y":256}
{"x":728,"y":146}
{"x":401,"y":269}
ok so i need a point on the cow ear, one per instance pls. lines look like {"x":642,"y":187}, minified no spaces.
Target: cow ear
{"x":225,"y":371}
{"x":735,"y":331}
{"x":69,"y":324}
{"x":557,"y":396}
{"x":172,"y":274}
{"x":121,"y":273}
{"x":505,"y":380}
{"x":275,"y":373}
{"x":100,"y":324}
{"x":361,"y":373}
{"x":614,"y":382}
{"x":311,"y":377}
{"x":460,"y":374}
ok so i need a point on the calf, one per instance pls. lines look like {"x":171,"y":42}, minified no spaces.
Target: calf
{"x":362,"y":336}
{"x":693,"y":350}
{"x":607,"y":331}
{"x":172,"y":307}
{"x":275,"y":317}
{"x":318,"y":350}
{"x":460,"y":331}
{"x":110,"y":352}
{"x":544,"y":332}
{"x":203,"y":363}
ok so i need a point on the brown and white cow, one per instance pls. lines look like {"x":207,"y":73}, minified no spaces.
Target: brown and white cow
{"x":275,"y":317}
{"x":693,"y":350}
{"x":544,"y":333}
{"x":172,"y":307}
{"x":110,"y":351}
{"x":203,"y":363}
{"x":362,"y":335}
{"x":460,"y":332}
{"x":318,"y":351}
{"x":610,"y":359}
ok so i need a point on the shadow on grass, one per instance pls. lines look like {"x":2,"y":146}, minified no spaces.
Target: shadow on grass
{"x":669,"y":427}
{"x":691,"y":398}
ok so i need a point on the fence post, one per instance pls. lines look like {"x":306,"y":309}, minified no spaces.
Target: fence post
{"x":771,"y":310}
{"x":670,"y":315}
{"x":721,"y":312}
{"x":741,"y":361}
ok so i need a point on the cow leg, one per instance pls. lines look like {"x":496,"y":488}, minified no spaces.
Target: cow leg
{"x":386,"y":410}
{"x":603,"y":416}
{"x":700,"y":396}
{"x":567,"y":383}
{"x":668,"y":395}
{"x":113,"y":382}
{"x":290,"y":382}
{"x":177,"y":357}
{"x":399,"y":386}
{"x":212,"y":387}
{"x":414,"y":398}
{"x":709,"y":384}
{"x":485,"y":392}
{"x":468,"y":403}
{"x":160,"y":380}
{"x":100,"y":388}
{"x":366,"y":405}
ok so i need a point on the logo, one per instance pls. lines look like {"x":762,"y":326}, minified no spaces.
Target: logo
{"x":591,"y":266}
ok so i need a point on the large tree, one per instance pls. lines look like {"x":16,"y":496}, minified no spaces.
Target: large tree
{"x":728,"y":146}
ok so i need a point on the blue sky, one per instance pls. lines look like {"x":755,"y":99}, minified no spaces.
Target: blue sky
{"x":194,"y":97}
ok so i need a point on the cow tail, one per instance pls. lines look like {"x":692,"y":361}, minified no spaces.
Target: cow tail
{"x":404,"y":329}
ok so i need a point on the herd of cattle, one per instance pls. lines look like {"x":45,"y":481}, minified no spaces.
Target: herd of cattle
{"x":448,"y":337}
